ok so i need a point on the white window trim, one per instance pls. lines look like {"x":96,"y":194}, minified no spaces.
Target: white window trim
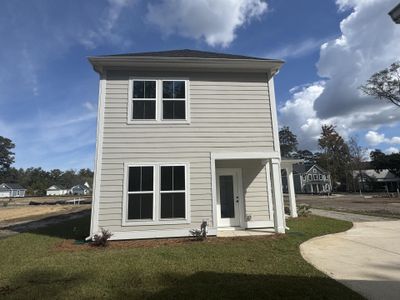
{"x":157,"y":196}
{"x":159,"y":101}
{"x":126,"y":193}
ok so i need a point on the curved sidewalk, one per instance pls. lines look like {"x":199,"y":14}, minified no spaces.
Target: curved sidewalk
{"x":365,"y":258}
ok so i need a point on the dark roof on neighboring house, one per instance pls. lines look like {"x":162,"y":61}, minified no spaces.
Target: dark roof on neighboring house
{"x":304,"y":168}
{"x":395,"y":14}
{"x":188,"y":53}
{"x":80,"y":186}
{"x":14,"y":186}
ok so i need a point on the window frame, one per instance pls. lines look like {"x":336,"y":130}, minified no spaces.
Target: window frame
{"x":131,"y":99}
{"x":126,"y":195}
{"x":173,"y":191}
{"x":159,"y":101}
{"x":156,"y":220}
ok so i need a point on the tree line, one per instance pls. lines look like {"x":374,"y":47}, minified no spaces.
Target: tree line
{"x":37,"y":180}
{"x":343,"y":159}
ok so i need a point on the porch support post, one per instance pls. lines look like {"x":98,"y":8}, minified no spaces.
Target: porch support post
{"x":292,"y":196}
{"x":279,"y":210}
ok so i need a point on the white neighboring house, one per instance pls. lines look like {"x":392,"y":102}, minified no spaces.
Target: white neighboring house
{"x":11,"y":190}
{"x":80,"y":189}
{"x":183,"y":137}
{"x":56,"y":190}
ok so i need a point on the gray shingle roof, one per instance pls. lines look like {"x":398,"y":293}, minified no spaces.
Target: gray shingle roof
{"x":14,"y":186}
{"x":189,"y":53}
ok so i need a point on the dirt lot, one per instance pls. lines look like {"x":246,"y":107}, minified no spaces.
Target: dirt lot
{"x":26,"y":200}
{"x":13,"y":214}
{"x":368,"y":204}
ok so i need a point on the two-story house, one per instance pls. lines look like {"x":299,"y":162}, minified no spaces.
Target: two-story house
{"x":184,"y":137}
{"x":310,"y":179}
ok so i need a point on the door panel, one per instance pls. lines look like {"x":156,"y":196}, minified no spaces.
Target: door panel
{"x":226,"y":194}
{"x":228,"y":197}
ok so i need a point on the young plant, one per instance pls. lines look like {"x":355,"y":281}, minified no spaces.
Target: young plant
{"x":101,"y":240}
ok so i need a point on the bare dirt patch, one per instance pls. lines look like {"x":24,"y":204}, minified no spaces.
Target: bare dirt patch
{"x":72,"y":245}
{"x":354,"y":203}
{"x":14,"y":213}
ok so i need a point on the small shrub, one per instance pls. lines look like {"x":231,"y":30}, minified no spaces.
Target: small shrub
{"x":101,"y":240}
{"x":303,"y":210}
{"x":200,"y":234}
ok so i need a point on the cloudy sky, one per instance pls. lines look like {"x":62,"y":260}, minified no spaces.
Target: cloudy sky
{"x":48,"y":90}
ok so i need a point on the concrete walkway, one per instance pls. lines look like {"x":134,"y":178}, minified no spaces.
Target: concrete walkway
{"x":345,"y":216}
{"x":366,"y":258}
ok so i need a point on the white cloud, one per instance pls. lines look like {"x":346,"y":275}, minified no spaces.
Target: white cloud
{"x":215,"y":21}
{"x":297,"y":50}
{"x":391,"y":150}
{"x":368,"y":43}
{"x":89,"y":106}
{"x":105,"y":30}
{"x":374,"y":138}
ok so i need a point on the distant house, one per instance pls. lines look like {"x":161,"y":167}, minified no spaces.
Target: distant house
{"x":309,"y":179}
{"x":373,"y":181}
{"x":11,"y":190}
{"x":80,"y":189}
{"x":56,"y":190}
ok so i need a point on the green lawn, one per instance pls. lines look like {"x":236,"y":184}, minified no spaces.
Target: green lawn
{"x":260,"y":268}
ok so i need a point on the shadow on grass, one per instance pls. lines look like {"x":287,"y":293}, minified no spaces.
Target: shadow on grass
{"x":213,"y":285}
{"x":69,"y":226}
{"x":41,"y":284}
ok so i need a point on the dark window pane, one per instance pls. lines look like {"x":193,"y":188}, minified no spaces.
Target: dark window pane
{"x":179,"y":110}
{"x":147,"y":179}
{"x":150,"y":89}
{"x":168,"y":87}
{"x":134,"y":179}
{"x":138,"y":89}
{"x":174,"y":109}
{"x":226,"y":196}
{"x":173,"y":205}
{"x":140,"y":179}
{"x":144,"y":110}
{"x":179,"y":178}
{"x":179,"y":89}
{"x":166,"y":178}
{"x":140,"y":206}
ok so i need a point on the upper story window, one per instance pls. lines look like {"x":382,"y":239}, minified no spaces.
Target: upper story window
{"x":157,"y":101}
{"x":144,"y":100}
{"x":174,"y":100}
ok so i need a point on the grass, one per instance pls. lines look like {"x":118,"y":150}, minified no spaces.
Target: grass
{"x":251,"y":268}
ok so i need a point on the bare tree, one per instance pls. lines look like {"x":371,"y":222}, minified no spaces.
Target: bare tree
{"x":385,"y":84}
{"x":357,"y":154}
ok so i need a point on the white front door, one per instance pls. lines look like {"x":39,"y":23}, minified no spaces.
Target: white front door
{"x":229,"y":198}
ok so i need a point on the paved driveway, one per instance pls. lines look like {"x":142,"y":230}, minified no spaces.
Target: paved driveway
{"x":366,"y":258}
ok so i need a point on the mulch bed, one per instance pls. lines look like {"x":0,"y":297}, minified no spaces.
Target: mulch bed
{"x":73,"y":245}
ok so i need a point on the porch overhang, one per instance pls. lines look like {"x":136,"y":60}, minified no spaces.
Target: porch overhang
{"x":270,"y":160}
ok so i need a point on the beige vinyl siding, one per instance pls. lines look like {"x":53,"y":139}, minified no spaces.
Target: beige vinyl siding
{"x":228,"y":113}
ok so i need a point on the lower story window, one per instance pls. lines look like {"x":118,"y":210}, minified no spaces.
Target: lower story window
{"x":156,"y":193}
{"x":173,"y":192}
{"x":140,"y":206}
{"x":140,"y":192}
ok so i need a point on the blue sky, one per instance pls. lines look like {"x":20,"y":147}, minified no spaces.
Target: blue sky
{"x":48,"y":90}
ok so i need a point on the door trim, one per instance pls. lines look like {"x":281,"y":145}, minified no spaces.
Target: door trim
{"x":238,"y":173}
